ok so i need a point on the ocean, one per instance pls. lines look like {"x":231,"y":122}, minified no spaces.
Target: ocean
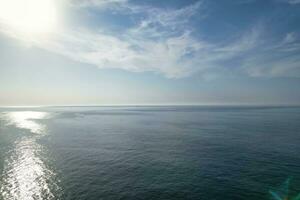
{"x":149,"y":152}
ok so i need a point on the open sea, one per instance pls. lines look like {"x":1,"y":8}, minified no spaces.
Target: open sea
{"x":155,"y":152}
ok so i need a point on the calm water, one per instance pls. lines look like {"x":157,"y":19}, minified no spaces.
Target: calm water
{"x":208,"y":153}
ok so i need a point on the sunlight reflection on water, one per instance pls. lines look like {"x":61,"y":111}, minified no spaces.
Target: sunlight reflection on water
{"x":25,"y":120}
{"x":25,"y":175}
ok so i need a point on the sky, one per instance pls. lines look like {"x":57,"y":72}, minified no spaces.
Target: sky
{"x":154,"y":52}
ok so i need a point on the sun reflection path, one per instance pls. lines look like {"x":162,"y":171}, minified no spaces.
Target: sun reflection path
{"x":25,"y":175}
{"x":26,"y":120}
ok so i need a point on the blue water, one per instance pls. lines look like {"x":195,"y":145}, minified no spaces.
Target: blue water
{"x":179,"y":152}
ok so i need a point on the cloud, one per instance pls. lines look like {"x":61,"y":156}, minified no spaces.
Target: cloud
{"x":286,"y":67}
{"x":290,"y":37}
{"x":278,"y":60}
{"x":293,"y":1}
{"x":161,"y":42}
{"x":289,"y":43}
{"x":96,"y":3}
{"x":174,"y":56}
{"x":168,"y":57}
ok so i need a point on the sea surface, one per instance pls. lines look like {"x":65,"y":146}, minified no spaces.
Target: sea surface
{"x":154,"y":152}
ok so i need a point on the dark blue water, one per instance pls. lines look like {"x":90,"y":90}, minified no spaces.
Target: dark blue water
{"x":125,"y":153}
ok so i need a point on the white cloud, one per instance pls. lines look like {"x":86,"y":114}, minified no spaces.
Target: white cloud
{"x":278,"y":60}
{"x":287,"y":67}
{"x":289,"y":43}
{"x":98,"y":3}
{"x":293,"y":1}
{"x":290,"y":37}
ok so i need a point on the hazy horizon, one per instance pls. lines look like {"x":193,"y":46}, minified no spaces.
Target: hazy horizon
{"x":154,"y":105}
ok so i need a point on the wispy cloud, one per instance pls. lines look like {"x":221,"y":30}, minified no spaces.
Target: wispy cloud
{"x":293,"y":1}
{"x":283,"y":67}
{"x":98,"y":3}
{"x":278,"y":60}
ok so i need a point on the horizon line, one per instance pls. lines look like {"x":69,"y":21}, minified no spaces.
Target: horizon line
{"x":145,"y":105}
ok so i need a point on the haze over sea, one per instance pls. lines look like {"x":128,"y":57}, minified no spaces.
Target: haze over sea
{"x":154,"y":152}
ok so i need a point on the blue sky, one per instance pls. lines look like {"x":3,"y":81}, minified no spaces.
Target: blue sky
{"x":151,"y":52}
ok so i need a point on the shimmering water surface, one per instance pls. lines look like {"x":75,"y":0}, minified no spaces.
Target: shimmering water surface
{"x":148,"y":152}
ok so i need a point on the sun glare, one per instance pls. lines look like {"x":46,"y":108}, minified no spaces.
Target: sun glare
{"x":29,"y":16}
